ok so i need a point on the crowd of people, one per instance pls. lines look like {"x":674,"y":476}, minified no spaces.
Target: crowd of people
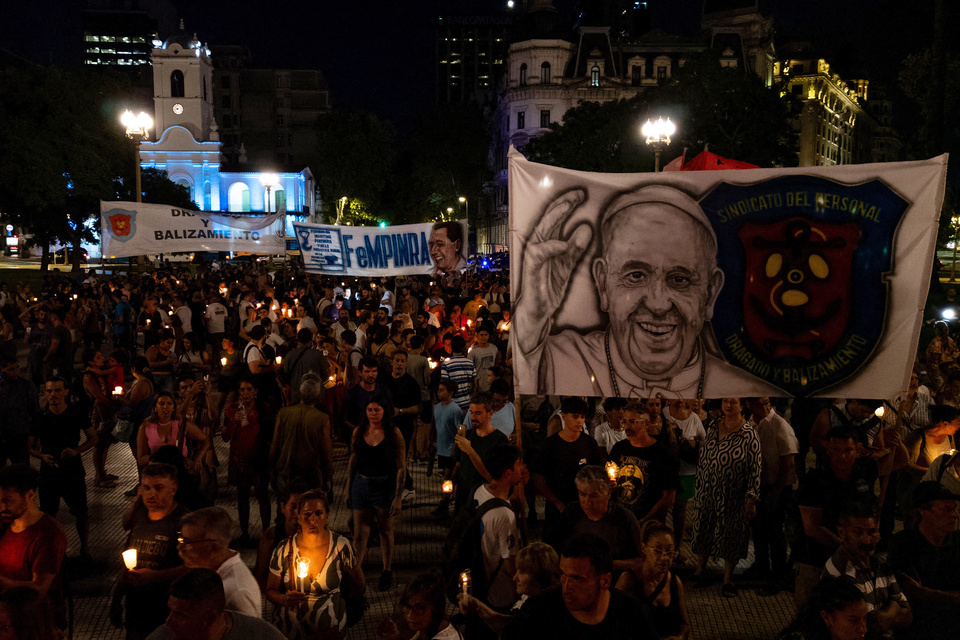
{"x":285,"y":367}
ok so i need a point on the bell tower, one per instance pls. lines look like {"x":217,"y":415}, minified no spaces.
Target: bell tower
{"x":183,"y":86}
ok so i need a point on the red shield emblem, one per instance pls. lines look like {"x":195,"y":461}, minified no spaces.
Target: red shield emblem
{"x":796,"y":298}
{"x":120,"y":224}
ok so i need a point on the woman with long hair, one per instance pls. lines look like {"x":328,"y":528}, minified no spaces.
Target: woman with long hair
{"x":835,"y":611}
{"x":193,"y":361}
{"x":163,"y":427}
{"x":375,"y":475}
{"x":101,"y":413}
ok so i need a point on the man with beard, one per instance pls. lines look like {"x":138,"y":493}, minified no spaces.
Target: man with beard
{"x":33,"y":544}
{"x":657,"y":278}
{"x":856,"y":559}
{"x":153,"y":521}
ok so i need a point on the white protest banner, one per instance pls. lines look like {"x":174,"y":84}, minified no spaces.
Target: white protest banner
{"x":407,"y":249}
{"x":136,"y":229}
{"x":804,"y":281}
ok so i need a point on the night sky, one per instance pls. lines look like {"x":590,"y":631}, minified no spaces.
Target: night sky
{"x":380,"y":55}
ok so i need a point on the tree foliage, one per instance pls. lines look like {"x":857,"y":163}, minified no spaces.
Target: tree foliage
{"x":354,"y":158}
{"x":726,"y":108}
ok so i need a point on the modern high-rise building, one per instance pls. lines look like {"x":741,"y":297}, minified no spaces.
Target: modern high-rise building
{"x":471,"y":57}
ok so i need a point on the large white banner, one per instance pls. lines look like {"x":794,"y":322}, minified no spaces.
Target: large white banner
{"x":806,"y":281}
{"x":407,"y":249}
{"x":136,"y":229}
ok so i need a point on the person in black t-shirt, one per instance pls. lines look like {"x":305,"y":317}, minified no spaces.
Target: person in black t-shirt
{"x":405,"y":393}
{"x":563,"y":454}
{"x":648,"y":473}
{"x":584,"y":607}
{"x":822,"y":494}
{"x":56,"y":442}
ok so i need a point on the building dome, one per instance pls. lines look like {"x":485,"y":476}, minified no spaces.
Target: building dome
{"x":182,"y":38}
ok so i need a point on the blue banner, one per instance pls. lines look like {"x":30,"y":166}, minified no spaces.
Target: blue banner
{"x":427,"y":248}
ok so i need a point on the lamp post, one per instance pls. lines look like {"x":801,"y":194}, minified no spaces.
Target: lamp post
{"x":269,"y":180}
{"x":466,"y":206}
{"x":138,"y":128}
{"x":658,"y":134}
{"x":450,"y":212}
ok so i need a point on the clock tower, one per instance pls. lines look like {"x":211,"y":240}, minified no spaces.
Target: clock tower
{"x":183,"y":86}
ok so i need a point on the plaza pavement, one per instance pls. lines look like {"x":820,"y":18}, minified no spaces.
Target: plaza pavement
{"x":419,"y":537}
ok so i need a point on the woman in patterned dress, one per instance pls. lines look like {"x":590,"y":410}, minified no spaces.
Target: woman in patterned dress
{"x":728,"y":482}
{"x":312,"y":605}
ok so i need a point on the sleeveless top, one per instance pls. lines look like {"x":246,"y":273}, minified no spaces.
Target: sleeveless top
{"x":666,"y":620}
{"x":154,"y":441}
{"x":376,"y":461}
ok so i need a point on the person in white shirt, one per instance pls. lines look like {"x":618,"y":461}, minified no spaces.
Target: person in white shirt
{"x":680,"y":415}
{"x":204,"y":543}
{"x":611,"y":431}
{"x":500,"y":541}
{"x":215,"y":318}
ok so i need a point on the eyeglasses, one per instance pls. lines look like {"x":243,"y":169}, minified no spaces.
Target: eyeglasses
{"x":185,"y":541}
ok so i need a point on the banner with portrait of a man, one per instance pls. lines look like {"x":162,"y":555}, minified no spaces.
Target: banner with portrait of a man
{"x":764,"y":282}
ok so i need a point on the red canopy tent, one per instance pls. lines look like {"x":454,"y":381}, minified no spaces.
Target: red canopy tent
{"x":707,"y":161}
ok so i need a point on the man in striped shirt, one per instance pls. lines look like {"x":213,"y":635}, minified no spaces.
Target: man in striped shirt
{"x":459,"y":369}
{"x":856,"y":558}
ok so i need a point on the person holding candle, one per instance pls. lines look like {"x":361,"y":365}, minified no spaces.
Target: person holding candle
{"x":447,"y":414}
{"x":595,"y":512}
{"x":163,"y":428}
{"x":311,"y":575}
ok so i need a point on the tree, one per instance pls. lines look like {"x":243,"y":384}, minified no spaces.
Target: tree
{"x":354,"y":158}
{"x":726,"y":108}
{"x":62,"y":151}
{"x":444,"y":159}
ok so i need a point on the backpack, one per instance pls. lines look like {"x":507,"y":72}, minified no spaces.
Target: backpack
{"x":462,"y":550}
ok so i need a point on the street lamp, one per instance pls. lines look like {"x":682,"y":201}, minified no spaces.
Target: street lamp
{"x":658,"y":134}
{"x":138,"y":128}
{"x":269,"y":180}
{"x":450,"y":212}
{"x":466,"y":206}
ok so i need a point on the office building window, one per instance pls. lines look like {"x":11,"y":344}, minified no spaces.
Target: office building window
{"x":544,"y":118}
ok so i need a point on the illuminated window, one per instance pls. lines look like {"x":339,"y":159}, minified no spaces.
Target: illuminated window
{"x":545,"y":73}
{"x":595,"y":76}
{"x":238,"y":197}
{"x":176,"y":84}
{"x":523,"y":74}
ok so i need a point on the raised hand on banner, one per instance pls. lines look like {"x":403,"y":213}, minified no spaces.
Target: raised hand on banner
{"x":549,"y":259}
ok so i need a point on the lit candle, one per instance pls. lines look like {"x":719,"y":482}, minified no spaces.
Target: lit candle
{"x":303,"y":567}
{"x":148,"y":322}
{"x":879,"y":411}
{"x":433,"y":364}
{"x":223,"y":362}
{"x":279,"y":359}
{"x":130,"y":558}
{"x":447,"y":486}
{"x":296,"y":301}
{"x":466,"y":582}
{"x":469,"y":322}
{"x":118,"y":391}
{"x":612,"y":470}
